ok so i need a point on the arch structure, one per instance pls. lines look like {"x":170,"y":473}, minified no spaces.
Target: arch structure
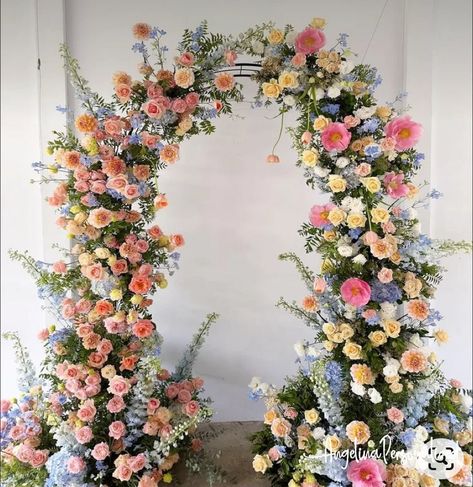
{"x":104,"y":411}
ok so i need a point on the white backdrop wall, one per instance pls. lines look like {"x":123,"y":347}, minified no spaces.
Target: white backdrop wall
{"x":236,"y":212}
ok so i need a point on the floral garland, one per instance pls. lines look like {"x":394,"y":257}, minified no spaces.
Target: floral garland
{"x":109,"y":413}
{"x":369,"y":305}
{"x":114,"y":414}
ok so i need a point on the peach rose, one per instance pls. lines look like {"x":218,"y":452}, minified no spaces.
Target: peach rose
{"x":418,"y":309}
{"x":358,"y":432}
{"x":280,"y":427}
{"x":169,"y":153}
{"x":224,"y":81}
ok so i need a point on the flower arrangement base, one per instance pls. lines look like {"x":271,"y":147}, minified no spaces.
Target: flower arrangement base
{"x":229,"y":444}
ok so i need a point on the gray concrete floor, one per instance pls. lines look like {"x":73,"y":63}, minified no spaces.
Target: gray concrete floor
{"x":235,"y":457}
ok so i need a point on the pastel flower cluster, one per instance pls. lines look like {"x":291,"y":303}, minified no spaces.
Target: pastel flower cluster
{"x":114,"y":417}
{"x":369,"y":372}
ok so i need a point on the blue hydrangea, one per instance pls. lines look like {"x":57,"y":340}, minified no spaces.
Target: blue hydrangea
{"x":355,"y":233}
{"x":60,"y":335}
{"x":407,"y":437}
{"x":332,"y":108}
{"x":418,"y":158}
{"x":381,"y":293}
{"x":369,"y":126}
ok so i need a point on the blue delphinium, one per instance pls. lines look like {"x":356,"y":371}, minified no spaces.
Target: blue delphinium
{"x":334,"y":377}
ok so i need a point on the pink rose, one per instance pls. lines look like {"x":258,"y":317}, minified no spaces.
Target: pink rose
{"x":274,"y":454}
{"x":98,"y":187}
{"x":298,"y":60}
{"x":24,"y":454}
{"x":119,"y":386}
{"x":137,"y":463}
{"x":143,"y":328}
{"x":147,"y":481}
{"x":87,"y":411}
{"x":335,"y":137}
{"x":369,"y":314}
{"x":310,"y":40}
{"x":355,"y":292}
{"x":75,"y":465}
{"x":39,"y":458}
{"x":60,"y":267}
{"x":153,"y":109}
{"x":350,"y":121}
{"x":178,"y":105}
{"x":105,"y":346}
{"x":191,"y":408}
{"x":172,"y":390}
{"x":385,"y":275}
{"x":116,"y":404}
{"x":84,"y":435}
{"x":116,"y":429}
{"x":123,"y":472}
{"x":319,"y":285}
{"x":230,"y":57}
{"x":186,"y":59}
{"x":5,"y":406}
{"x":42,"y":335}
{"x":395,"y":415}
{"x":184,"y":396}
{"x":404,"y":131}
{"x":370,"y":238}
{"x":154,"y":90}
{"x":363,"y":169}
{"x":192,"y":100}
{"x":101,"y":451}
{"x":306,"y":137}
{"x":123,"y":92}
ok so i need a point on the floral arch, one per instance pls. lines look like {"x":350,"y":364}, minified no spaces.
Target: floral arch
{"x":104,"y":411}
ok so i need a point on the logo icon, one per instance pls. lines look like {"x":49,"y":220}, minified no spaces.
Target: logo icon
{"x":444,"y":458}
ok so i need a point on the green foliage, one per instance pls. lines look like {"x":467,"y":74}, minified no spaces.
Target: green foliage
{"x":14,"y":473}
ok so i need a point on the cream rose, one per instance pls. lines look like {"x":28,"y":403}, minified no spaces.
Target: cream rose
{"x":261,"y":463}
{"x":310,"y":157}
{"x":337,"y":184}
{"x":336,"y":216}
{"x":379,"y":215}
{"x":378,"y":338}
{"x":312,"y":416}
{"x":372,"y":184}
{"x":356,"y":220}
{"x":353,"y":351}
{"x":392,"y":328}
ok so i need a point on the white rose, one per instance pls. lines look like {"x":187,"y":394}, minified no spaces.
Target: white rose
{"x":255,"y":382}
{"x":345,"y":250}
{"x":300,"y":349}
{"x":374,"y":395}
{"x":264,"y":387}
{"x":319,"y":93}
{"x":392,"y":367}
{"x":318,"y":433}
{"x":416,"y":340}
{"x":333,"y":92}
{"x":357,"y":389}
{"x":359,"y":259}
{"x":421,"y":434}
{"x":388,"y":310}
{"x":289,"y":100}
{"x":321,"y":172}
{"x":365,"y":112}
{"x":290,"y":38}
{"x":346,"y":67}
{"x":342,"y":162}
{"x":466,"y":403}
{"x":258,"y":47}
{"x":357,"y":205}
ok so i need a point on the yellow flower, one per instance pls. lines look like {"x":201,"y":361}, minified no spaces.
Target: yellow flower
{"x":337,"y":184}
{"x":116,"y":294}
{"x":167,"y":478}
{"x":336,"y":216}
{"x":271,"y":89}
{"x":441,"y":426}
{"x":441,"y":336}
{"x":310,"y":157}
{"x":321,"y":122}
{"x":318,"y":23}
{"x":74,"y":209}
{"x":396,"y":387}
{"x":392,"y":328}
{"x":312,"y":416}
{"x":372,"y":184}
{"x":379,"y":215}
{"x":261,"y":463}
{"x":356,"y":220}
{"x":353,"y":351}
{"x":90,"y":145}
{"x":358,"y":432}
{"x":102,"y":253}
{"x":270,"y":416}
{"x":332,"y":443}
{"x":136,"y":299}
{"x":330,"y":235}
{"x":288,"y":79}
{"x":276,"y":36}
{"x":378,"y":338}
{"x":383,"y":112}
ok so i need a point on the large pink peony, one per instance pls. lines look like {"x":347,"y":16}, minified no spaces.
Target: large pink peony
{"x":310,"y":40}
{"x":367,"y":473}
{"x":395,"y":186}
{"x":335,"y":137}
{"x":319,"y":215}
{"x":404,"y":131}
{"x":355,"y":292}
